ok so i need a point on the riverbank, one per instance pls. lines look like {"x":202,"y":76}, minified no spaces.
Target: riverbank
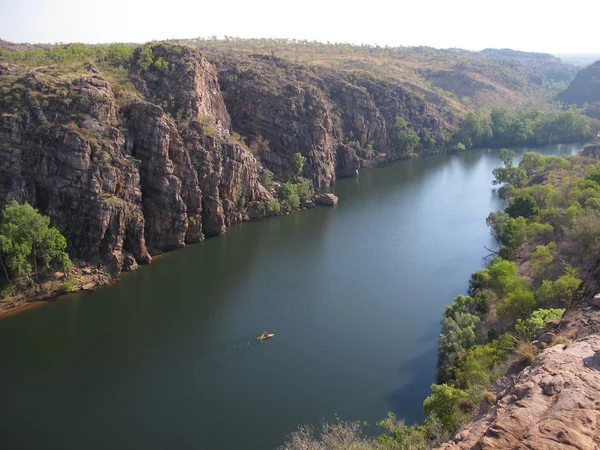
{"x":544,"y":370}
{"x":511,"y":371}
{"x":29,"y":293}
{"x":57,"y":285}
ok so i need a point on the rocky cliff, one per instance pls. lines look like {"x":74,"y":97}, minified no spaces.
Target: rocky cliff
{"x":127,"y":166}
{"x":338,"y":120}
{"x":552,"y":404}
{"x":167,"y":147}
{"x":585,"y":89}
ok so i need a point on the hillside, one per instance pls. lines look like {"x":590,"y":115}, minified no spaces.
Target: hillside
{"x":490,"y":78}
{"x":585,"y":90}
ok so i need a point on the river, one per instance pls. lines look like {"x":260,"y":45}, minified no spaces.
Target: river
{"x":167,"y":357}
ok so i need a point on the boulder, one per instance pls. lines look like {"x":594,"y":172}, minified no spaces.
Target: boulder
{"x":326,"y":200}
{"x":546,"y":337}
{"x":596,"y":300}
{"x":88,"y":287}
{"x":129,"y":263}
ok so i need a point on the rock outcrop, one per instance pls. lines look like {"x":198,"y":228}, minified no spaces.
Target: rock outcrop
{"x":147,"y":159}
{"x":553,"y":404}
{"x":339,"y":121}
{"x":120,"y":168}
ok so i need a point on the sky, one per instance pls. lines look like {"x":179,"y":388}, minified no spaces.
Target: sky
{"x":550,"y":26}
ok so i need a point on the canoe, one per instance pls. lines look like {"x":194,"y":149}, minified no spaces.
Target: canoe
{"x":264,"y":336}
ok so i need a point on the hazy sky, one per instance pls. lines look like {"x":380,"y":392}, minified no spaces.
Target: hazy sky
{"x":530,"y":25}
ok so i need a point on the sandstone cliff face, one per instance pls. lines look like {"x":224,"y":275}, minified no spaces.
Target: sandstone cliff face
{"x":141,"y":174}
{"x":553,"y":404}
{"x":61,"y":153}
{"x":338,"y":121}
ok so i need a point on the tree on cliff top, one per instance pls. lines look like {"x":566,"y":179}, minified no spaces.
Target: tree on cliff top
{"x":28,"y":242}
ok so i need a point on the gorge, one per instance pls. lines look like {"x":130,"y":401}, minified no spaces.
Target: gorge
{"x":133,"y":152}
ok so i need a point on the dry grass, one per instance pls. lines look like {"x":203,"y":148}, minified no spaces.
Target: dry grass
{"x":525,"y":351}
{"x":565,"y":337}
{"x":489,"y":397}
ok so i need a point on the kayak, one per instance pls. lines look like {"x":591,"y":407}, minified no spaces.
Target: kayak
{"x":264,"y":336}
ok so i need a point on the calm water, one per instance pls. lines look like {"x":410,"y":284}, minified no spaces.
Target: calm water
{"x":166,"y":358}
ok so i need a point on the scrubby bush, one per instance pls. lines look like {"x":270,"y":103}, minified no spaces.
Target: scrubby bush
{"x":273,"y":206}
{"x":450,"y":405}
{"x":522,"y":206}
{"x":288,"y":196}
{"x":537,"y":321}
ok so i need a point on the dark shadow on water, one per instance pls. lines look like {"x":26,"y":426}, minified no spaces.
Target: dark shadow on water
{"x":407,"y":402}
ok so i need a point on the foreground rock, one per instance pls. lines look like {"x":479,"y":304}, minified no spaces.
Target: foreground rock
{"x":553,"y":404}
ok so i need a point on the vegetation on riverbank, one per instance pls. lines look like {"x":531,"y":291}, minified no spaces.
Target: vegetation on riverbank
{"x":548,"y":237}
{"x":29,"y":248}
{"x":509,"y":128}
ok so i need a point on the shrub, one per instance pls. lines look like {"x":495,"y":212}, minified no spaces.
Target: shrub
{"x":566,"y":287}
{"x":540,"y":260}
{"x":288,"y":196}
{"x":401,"y":436}
{"x":304,"y":189}
{"x":297,"y":165}
{"x":457,"y":335}
{"x":522,"y":206}
{"x":267,"y":180}
{"x":537,"y":321}
{"x":332,"y":436}
{"x":68,"y":286}
{"x":479,"y":280}
{"x":519,"y":303}
{"x":145,"y":57}
{"x":476,"y":368}
{"x":466,"y":304}
{"x":273,"y":206}
{"x":7,"y":290}
{"x":503,"y":276}
{"x":447,"y":404}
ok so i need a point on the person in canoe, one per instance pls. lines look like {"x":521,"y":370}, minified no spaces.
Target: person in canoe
{"x":264,"y":336}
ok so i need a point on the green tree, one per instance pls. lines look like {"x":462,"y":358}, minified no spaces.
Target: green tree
{"x":540,"y":260}
{"x":408,"y":140}
{"x":457,"y":335}
{"x":145,"y":57}
{"x":288,"y":196}
{"x":297,"y":165}
{"x":530,"y":163}
{"x":497,"y":222}
{"x":513,"y":237}
{"x":585,"y":233}
{"x":566,"y":287}
{"x":449,"y":405}
{"x":519,"y":303}
{"x":27,"y":242}
{"x":507,"y":157}
{"x":522,"y":206}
